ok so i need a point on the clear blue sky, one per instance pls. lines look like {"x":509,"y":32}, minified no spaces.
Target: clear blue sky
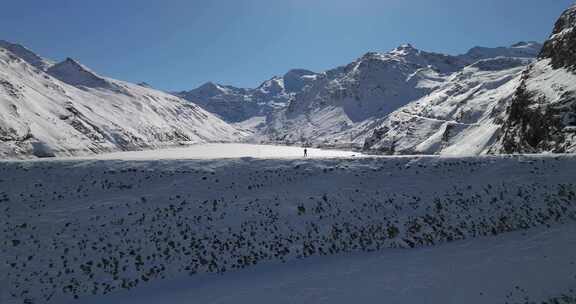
{"x":180,"y":44}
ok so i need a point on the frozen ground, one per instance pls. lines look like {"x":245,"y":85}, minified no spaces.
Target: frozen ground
{"x":538,"y":264}
{"x":216,"y":151}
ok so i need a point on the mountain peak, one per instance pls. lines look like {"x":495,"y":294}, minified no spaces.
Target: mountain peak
{"x":298,"y":73}
{"x":209,"y":89}
{"x":74,"y":73}
{"x":211,"y":86}
{"x":406,"y":46}
{"x":274,"y":85}
{"x":296,"y":79}
{"x":405,"y":49}
{"x":27,"y":55}
{"x":71,"y":62}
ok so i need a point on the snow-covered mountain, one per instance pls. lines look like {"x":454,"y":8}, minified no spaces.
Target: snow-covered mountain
{"x":353,"y":105}
{"x":406,"y":101}
{"x":237,"y":104}
{"x":495,"y":105}
{"x":542,"y":115}
{"x":345,"y":105}
{"x":462,"y":116}
{"x":66,"y":109}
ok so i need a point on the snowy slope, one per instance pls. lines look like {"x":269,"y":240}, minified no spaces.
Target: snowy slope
{"x":93,"y":227}
{"x":523,"y":49}
{"x":461,"y":117}
{"x":71,"y":110}
{"x":542,"y":116}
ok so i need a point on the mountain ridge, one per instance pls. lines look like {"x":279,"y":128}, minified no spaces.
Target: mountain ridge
{"x":251,"y":104}
{"x":70,"y":110}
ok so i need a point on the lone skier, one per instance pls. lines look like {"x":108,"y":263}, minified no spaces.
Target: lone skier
{"x":305,"y":152}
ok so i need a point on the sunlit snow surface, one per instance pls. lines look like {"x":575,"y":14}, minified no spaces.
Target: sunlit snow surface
{"x":215,"y":151}
{"x":536,"y":264}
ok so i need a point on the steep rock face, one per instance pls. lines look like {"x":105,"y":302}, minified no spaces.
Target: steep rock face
{"x":77,"y":112}
{"x":561,"y":47}
{"x":542,"y":115}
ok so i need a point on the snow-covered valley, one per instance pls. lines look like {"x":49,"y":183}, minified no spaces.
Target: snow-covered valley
{"x":94,"y":227}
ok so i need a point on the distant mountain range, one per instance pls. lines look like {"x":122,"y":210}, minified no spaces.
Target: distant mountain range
{"x":343,"y":107}
{"x":407,"y":101}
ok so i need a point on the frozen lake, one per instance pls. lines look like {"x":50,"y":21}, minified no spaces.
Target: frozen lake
{"x":215,"y":151}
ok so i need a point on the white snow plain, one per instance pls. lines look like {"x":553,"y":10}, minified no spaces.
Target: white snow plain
{"x":219,"y":151}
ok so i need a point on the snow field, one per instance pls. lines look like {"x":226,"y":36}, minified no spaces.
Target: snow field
{"x":220,"y":151}
{"x":530,"y":266}
{"x":73,"y":228}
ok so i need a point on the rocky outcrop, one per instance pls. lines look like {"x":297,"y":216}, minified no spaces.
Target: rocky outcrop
{"x":534,"y":125}
{"x":561,"y":47}
{"x":542,"y":114}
